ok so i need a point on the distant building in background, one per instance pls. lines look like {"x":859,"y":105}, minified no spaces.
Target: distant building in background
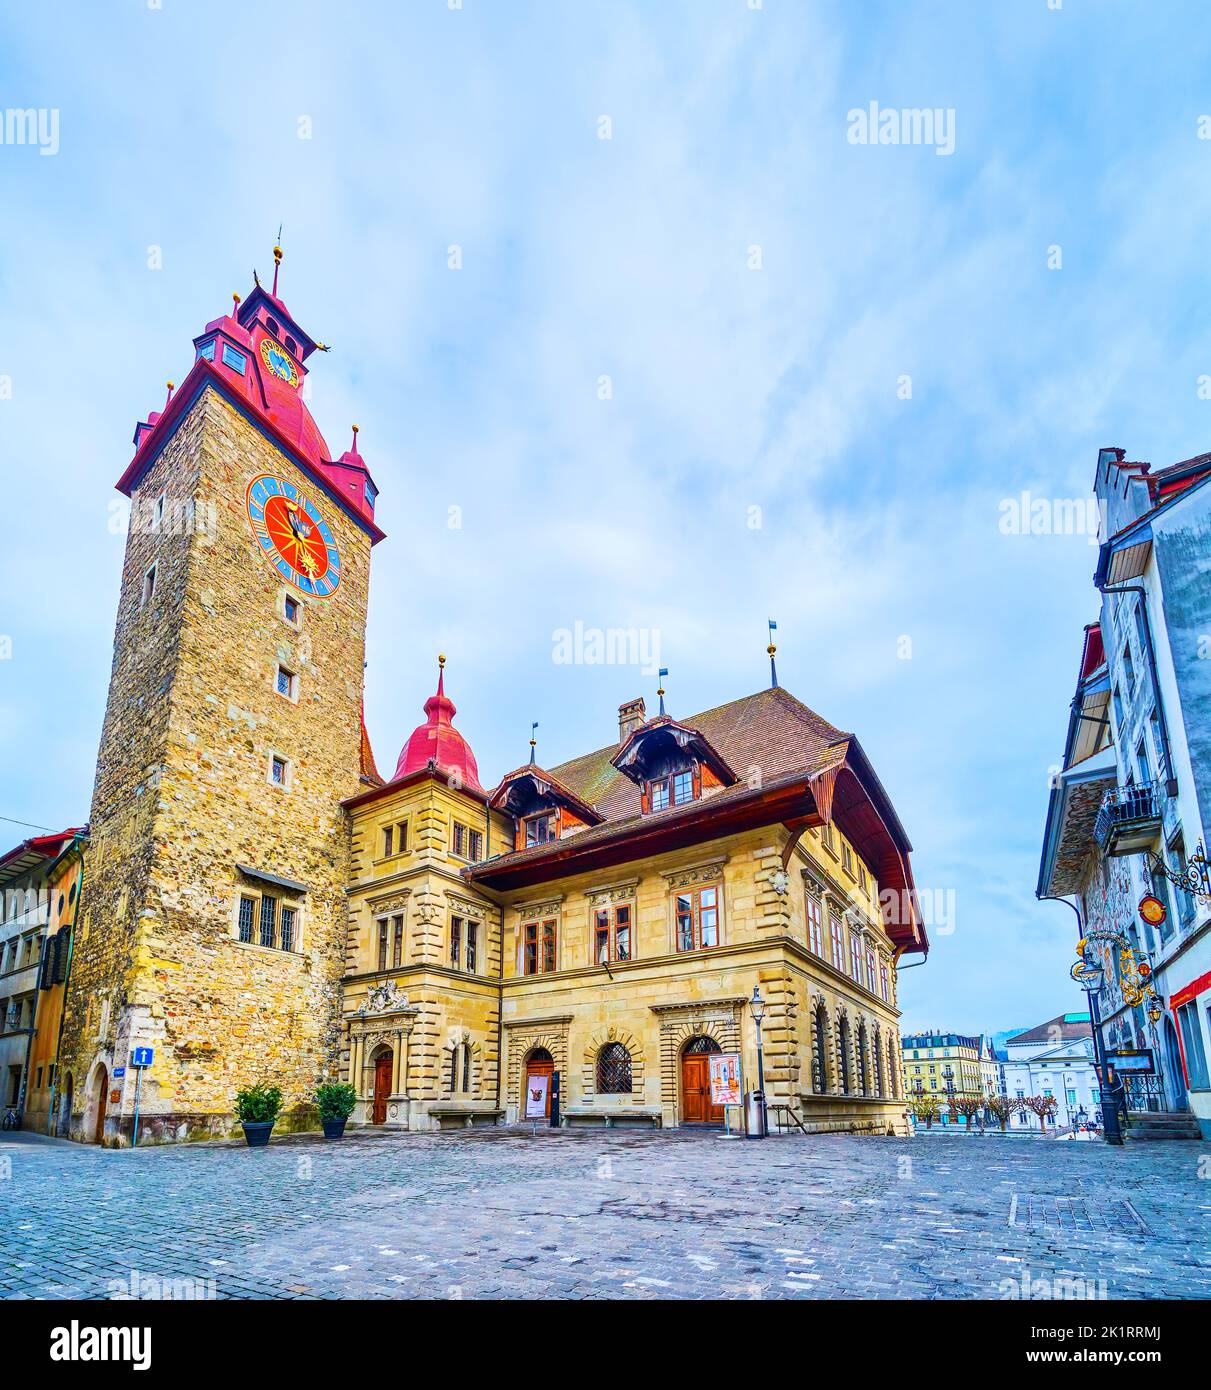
{"x":992,"y":1071}
{"x":26,"y":876}
{"x":1128,"y":813}
{"x":946,"y":1064}
{"x":1054,"y":1059}
{"x":48,"y":1097}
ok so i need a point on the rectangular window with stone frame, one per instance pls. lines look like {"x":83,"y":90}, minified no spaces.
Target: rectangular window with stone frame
{"x":612,"y":933}
{"x":464,"y":944}
{"x":268,"y":921}
{"x":467,"y":843}
{"x":836,"y":941}
{"x":696,"y":911}
{"x":538,"y":942}
{"x":815,"y":939}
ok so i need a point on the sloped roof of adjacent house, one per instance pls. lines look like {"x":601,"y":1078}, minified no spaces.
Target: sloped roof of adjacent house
{"x":31,"y":853}
{"x":1062,"y":1028}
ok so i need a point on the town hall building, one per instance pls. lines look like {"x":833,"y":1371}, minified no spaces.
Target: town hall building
{"x":260,"y":901}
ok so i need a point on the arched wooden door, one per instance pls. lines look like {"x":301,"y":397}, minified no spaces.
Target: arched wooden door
{"x":539,"y":1063}
{"x":383,"y":1065}
{"x":100,"y":1100}
{"x":696,"y":1107}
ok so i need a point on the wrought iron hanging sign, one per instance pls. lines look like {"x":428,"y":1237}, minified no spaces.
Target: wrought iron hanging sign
{"x":1194,"y":879}
{"x":1135,"y":971}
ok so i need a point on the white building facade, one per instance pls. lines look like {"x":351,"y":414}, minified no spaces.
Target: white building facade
{"x":1128,"y":814}
{"x":1055,"y":1060}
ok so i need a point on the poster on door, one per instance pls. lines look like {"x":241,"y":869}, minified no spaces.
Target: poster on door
{"x":725,"y":1078}
{"x":536,"y":1096}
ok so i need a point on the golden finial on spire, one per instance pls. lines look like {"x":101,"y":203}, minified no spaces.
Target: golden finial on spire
{"x":441,"y":660}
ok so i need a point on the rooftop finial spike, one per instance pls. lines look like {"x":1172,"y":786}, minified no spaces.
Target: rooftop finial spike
{"x":441,"y":674}
{"x":353,"y":446}
{"x":773,"y":670}
{"x":235,"y":305}
{"x":533,"y":741}
{"x":664,"y":670}
{"x":277,"y":262}
{"x":168,"y":401}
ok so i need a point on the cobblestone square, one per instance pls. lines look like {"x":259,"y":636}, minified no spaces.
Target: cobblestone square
{"x":506,"y":1213}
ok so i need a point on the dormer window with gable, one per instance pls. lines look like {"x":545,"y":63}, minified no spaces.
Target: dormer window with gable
{"x":542,"y":808}
{"x":671,"y":764}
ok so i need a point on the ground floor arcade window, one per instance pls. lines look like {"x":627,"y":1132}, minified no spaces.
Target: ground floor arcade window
{"x":614,"y":1070}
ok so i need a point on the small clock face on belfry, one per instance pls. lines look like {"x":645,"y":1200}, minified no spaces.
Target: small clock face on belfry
{"x":294,"y":536}
{"x":279,"y":361}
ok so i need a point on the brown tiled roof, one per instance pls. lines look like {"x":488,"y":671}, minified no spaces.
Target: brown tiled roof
{"x":770,"y":731}
{"x":1062,"y":1028}
{"x":369,"y":769}
{"x":789,"y":761}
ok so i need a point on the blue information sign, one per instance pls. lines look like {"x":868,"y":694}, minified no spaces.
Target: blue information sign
{"x":119,"y":1071}
{"x":142,"y":1056}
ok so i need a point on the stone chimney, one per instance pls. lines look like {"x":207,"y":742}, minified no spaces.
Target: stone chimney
{"x":630,"y":716}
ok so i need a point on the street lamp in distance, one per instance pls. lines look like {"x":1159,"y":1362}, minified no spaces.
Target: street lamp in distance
{"x":756,"y":1007}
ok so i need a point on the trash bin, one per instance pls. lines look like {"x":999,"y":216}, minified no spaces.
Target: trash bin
{"x":754,"y":1115}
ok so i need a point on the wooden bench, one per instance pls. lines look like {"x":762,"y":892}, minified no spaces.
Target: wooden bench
{"x":586,"y":1115}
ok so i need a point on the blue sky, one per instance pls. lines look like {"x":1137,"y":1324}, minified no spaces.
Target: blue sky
{"x":733,"y":388}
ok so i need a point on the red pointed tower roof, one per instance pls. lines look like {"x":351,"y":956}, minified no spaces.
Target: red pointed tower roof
{"x":437,"y":741}
{"x":256,"y":356}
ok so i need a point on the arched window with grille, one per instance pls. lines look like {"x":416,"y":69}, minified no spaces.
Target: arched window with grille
{"x":613,"y":1070}
{"x":843,"y":1054}
{"x":820,"y":1059}
{"x":878,"y":1055}
{"x":893,"y":1089}
{"x":863,"y":1058}
{"x":460,"y":1068}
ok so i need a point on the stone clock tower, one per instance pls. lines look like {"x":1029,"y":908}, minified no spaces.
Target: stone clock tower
{"x":215,"y":917}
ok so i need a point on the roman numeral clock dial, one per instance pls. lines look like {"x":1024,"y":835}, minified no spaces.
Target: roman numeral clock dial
{"x":293,"y":535}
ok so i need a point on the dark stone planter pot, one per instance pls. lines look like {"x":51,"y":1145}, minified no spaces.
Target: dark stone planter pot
{"x":257,"y":1135}
{"x":334,"y":1129}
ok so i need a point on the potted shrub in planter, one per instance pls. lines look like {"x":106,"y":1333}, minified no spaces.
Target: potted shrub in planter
{"x":257,"y":1108}
{"x":336,"y":1100}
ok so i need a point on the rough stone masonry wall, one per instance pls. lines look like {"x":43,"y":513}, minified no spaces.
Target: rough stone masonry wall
{"x":220,"y":1013}
{"x":105,"y":983}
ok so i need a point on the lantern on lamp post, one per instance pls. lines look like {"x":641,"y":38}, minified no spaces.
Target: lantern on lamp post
{"x":756,"y":1007}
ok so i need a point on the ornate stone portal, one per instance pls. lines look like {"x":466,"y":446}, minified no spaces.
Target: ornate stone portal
{"x":384,"y":1022}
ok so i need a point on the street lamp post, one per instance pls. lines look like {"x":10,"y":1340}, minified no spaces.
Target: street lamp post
{"x":1091,"y":983}
{"x":757,"y":1008}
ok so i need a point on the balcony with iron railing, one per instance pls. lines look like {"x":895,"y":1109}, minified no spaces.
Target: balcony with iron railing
{"x":1129,"y":818}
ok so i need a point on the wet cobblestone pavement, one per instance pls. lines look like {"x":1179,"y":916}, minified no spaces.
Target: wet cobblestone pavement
{"x":607,"y":1214}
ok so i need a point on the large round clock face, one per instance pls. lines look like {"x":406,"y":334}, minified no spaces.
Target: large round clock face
{"x":294,"y":536}
{"x":279,"y":361}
